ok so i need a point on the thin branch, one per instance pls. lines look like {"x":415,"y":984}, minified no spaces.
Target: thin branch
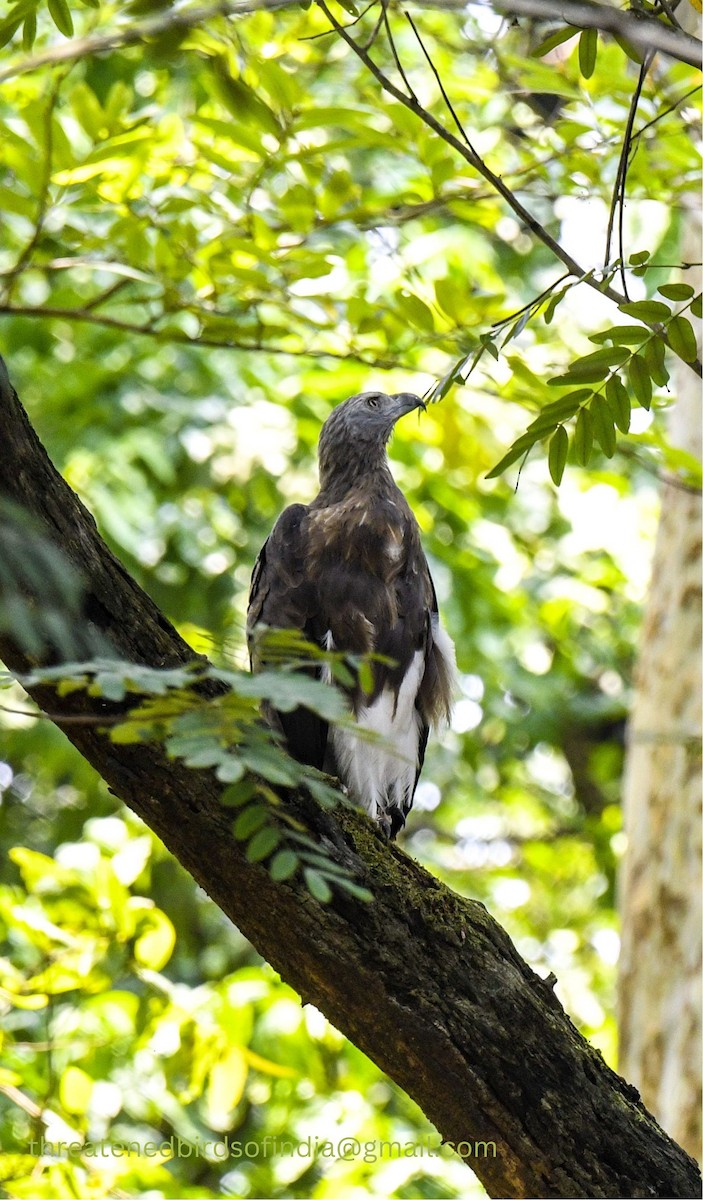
{"x":531,"y":303}
{"x":441,"y":87}
{"x":618,"y":200}
{"x":178,"y":337}
{"x":645,"y":33}
{"x":665,"y":112}
{"x":391,"y":43}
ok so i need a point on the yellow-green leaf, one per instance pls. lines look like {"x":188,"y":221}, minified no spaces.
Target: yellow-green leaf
{"x":588,"y":49}
{"x":654,"y":352}
{"x":227,"y":1081}
{"x":75,"y":1090}
{"x":603,"y":425}
{"x":61,"y":16}
{"x":618,"y":399}
{"x":154,"y":947}
{"x":640,"y":380}
{"x":682,"y":339}
{"x":583,"y":438}
{"x":558,"y":449}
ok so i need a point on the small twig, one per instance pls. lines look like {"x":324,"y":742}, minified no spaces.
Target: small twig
{"x":531,"y":303}
{"x":394,"y":52}
{"x":619,"y":190}
{"x":183,"y":339}
{"x":440,"y":85}
{"x":103,"y":297}
{"x":379,"y":22}
{"x":313,"y":37}
{"x":666,"y":8}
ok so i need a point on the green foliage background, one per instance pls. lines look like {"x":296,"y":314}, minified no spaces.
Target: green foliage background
{"x":209,"y":237}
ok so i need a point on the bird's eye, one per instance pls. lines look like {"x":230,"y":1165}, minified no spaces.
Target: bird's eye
{"x":372,"y":401}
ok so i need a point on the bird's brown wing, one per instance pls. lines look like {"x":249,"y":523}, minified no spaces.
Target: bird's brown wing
{"x":282,"y":596}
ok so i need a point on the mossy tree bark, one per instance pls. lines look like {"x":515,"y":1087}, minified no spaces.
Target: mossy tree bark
{"x":422,"y":980}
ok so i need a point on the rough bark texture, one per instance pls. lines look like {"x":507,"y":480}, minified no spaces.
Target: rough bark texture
{"x":422,"y":980}
{"x":660,"y":966}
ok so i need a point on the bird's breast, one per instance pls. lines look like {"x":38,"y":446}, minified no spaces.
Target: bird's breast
{"x":371,"y":536}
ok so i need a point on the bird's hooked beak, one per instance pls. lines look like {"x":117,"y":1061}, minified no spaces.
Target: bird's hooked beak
{"x":405,"y":402}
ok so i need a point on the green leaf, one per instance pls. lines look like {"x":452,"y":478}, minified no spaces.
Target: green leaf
{"x":654,"y":356}
{"x":588,"y":49}
{"x":592,"y":367}
{"x":622,"y":335}
{"x":632,"y":52}
{"x":618,"y":399}
{"x":640,"y":380}
{"x":489,"y":344}
{"x":317,"y":885}
{"x":555,"y":300}
{"x":516,"y":451}
{"x":248,"y":821}
{"x":556,"y":411}
{"x":356,"y":890}
{"x":238,"y":793}
{"x":697,"y":306}
{"x":682,"y":339}
{"x":676,"y":291}
{"x":415,"y":311}
{"x":555,"y":39}
{"x":640,"y":257}
{"x":558,"y":450}
{"x":517,"y":327}
{"x":29,"y":32}
{"x":263,"y":843}
{"x":283,"y":865}
{"x":241,"y":100}
{"x":271,"y":763}
{"x":61,"y":16}
{"x":583,"y":438}
{"x":647,"y":310}
{"x":287,"y":690}
{"x":8,"y":29}
{"x":230,"y":770}
{"x":366,"y":677}
{"x":603,"y":426}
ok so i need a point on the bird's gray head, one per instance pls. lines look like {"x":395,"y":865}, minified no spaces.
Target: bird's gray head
{"x":354,"y":436}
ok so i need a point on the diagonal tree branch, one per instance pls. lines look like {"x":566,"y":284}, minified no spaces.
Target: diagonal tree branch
{"x":644,"y":32}
{"x":422,"y":980}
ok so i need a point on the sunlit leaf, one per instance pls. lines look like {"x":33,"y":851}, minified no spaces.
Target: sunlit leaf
{"x":75,"y":1090}
{"x":640,"y":380}
{"x":558,"y":450}
{"x":682,"y":339}
{"x":618,"y":400}
{"x":588,"y":49}
{"x":603,"y":425}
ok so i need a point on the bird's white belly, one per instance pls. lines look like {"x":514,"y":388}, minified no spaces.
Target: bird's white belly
{"x":381,"y":774}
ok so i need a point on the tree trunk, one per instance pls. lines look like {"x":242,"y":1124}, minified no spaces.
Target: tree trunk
{"x":660,"y":969}
{"x":422,"y":980}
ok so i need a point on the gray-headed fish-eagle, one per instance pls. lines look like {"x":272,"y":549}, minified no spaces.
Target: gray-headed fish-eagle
{"x":348,"y":570}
